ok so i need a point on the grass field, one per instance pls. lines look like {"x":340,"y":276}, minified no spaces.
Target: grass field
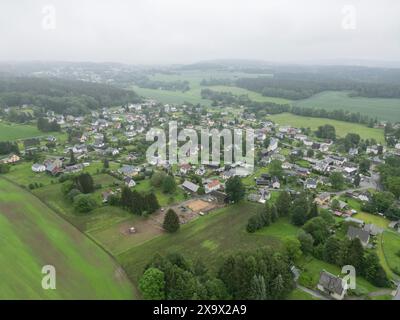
{"x":280,"y":229}
{"x":342,"y":128}
{"x":391,"y":250}
{"x":383,"y":109}
{"x":297,"y":294}
{"x":194,"y":94}
{"x":254,"y":96}
{"x":163,"y":198}
{"x":33,"y":236}
{"x":210,"y":237}
{"x":10,"y":132}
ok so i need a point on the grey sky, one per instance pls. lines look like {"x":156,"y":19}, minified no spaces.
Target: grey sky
{"x":185,"y":31}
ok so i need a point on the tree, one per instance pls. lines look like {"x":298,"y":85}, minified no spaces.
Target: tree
{"x":283,"y":203}
{"x":106,"y":164}
{"x":364,"y":165}
{"x":326,"y":132}
{"x":373,"y":271}
{"x":357,"y":180}
{"x":335,"y":204}
{"x":337,"y":181}
{"x":72,"y":160}
{"x":169,"y":184}
{"x":351,"y":140}
{"x":126,"y":197}
{"x":4,"y":168}
{"x":332,"y":250}
{"x":171,"y":221}
{"x":235,"y":189}
{"x":152,"y":284}
{"x":353,"y":254}
{"x":299,"y":211}
{"x":157,"y":179}
{"x":274,"y":213}
{"x":84,"y":203}
{"x":266,"y":215}
{"x":293,"y":249}
{"x":393,"y":185}
{"x":257,"y":288}
{"x":382,"y":200}
{"x":216,"y":290}
{"x":318,"y":228}
{"x":85,"y":183}
{"x":306,"y":242}
{"x":151,"y":202}
{"x":275,"y":168}
{"x":393,"y":213}
{"x":313,"y":211}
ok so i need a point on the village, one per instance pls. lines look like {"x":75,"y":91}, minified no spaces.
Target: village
{"x":287,"y":159}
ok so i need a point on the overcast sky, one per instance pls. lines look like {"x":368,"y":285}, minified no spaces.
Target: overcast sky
{"x":186,"y":31}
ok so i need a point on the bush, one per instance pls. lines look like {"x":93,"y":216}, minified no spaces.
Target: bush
{"x":84,"y":203}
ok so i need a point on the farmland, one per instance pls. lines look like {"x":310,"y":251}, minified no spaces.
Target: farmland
{"x":342,"y":128}
{"x":18,"y":131}
{"x":34,"y":236}
{"x":194,"y":94}
{"x":222,"y":230}
{"x":383,"y":109}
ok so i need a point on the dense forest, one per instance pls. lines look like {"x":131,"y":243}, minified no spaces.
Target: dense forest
{"x":62,"y":96}
{"x":302,"y":85}
{"x":259,"y":275}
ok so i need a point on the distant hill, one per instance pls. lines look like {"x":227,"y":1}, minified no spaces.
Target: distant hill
{"x":62,"y":96}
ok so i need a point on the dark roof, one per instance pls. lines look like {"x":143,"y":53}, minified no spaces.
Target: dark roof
{"x":331,"y":282}
{"x":354,"y":232}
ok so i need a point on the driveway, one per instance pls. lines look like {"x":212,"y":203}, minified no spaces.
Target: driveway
{"x":314,"y":293}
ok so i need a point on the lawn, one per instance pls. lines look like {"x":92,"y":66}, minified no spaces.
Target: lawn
{"x":22,"y":174}
{"x":209,"y":237}
{"x":164,"y":199}
{"x":298,"y":294}
{"x":372,"y":218}
{"x":10,"y":132}
{"x":342,"y":127}
{"x":391,"y":250}
{"x":280,"y":229}
{"x":32,"y":236}
{"x":383,"y":109}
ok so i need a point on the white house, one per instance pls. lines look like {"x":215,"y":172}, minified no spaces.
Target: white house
{"x":129,"y":182}
{"x":273,"y":144}
{"x":38,"y":167}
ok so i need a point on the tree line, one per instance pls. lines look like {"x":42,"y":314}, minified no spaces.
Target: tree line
{"x":302,"y":85}
{"x":262,"y":274}
{"x":62,"y":96}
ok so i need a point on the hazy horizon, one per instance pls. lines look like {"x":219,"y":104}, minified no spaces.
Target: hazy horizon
{"x":159,"y":32}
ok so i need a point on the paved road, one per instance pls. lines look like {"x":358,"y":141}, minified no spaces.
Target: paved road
{"x":397,"y":296}
{"x":314,"y":293}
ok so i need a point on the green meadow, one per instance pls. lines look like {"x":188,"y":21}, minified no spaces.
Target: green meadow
{"x":32,"y":236}
{"x":18,"y":131}
{"x":383,"y":109}
{"x":342,"y":127}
